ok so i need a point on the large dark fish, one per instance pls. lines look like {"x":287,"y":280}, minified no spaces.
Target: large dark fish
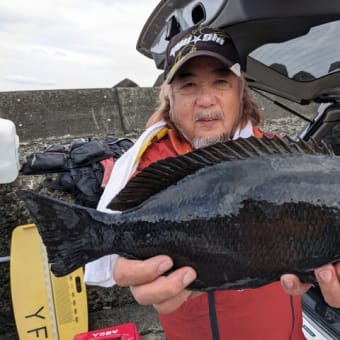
{"x":241,"y":213}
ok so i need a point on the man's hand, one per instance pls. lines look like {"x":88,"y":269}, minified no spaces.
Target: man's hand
{"x":328,"y":277}
{"x":148,"y":286}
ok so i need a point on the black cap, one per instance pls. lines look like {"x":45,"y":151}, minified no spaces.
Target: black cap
{"x":200,"y":41}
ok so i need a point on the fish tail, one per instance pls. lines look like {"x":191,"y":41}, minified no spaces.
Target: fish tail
{"x":65,"y":260}
{"x":72,"y":234}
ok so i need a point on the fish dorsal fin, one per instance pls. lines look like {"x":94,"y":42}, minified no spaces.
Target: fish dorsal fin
{"x":167,"y":172}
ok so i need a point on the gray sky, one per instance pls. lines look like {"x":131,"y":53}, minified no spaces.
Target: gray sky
{"x":58,"y":44}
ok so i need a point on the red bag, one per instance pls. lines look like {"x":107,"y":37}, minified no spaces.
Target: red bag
{"x":126,"y":331}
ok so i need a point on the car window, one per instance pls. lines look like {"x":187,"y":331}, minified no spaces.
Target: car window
{"x":307,"y":57}
{"x":334,"y":138}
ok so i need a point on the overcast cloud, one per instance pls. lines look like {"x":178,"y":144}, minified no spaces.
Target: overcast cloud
{"x":58,"y":44}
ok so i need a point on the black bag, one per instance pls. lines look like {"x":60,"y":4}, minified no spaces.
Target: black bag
{"x":76,"y":167}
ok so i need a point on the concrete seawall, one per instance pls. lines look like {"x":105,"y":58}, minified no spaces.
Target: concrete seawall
{"x":59,"y":116}
{"x":53,"y":113}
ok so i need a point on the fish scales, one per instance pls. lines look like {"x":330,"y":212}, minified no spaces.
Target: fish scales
{"x":254,"y":211}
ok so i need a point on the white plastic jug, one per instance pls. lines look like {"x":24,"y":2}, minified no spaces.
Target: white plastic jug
{"x":9,"y":151}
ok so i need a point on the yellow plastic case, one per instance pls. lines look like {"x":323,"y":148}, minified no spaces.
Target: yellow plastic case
{"x":45,"y":307}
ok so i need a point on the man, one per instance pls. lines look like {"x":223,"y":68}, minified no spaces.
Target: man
{"x":204,"y":100}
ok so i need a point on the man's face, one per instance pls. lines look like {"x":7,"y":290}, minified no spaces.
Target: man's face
{"x":205,"y":101}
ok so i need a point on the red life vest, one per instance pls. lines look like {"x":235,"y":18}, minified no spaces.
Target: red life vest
{"x":265,"y":313}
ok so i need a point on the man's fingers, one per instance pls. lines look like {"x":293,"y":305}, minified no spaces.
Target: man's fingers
{"x":329,"y":284}
{"x":150,"y":287}
{"x":328,"y":277}
{"x":172,"y":304}
{"x":292,"y":285}
{"x":135,"y":272}
{"x":164,"y":287}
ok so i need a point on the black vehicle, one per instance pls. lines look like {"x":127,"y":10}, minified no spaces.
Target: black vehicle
{"x":289,"y":49}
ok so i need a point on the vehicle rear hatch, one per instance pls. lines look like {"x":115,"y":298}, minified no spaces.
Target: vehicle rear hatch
{"x":288,"y":48}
